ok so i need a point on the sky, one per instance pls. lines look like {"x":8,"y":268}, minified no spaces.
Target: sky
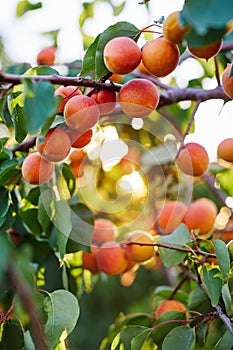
{"x":23,"y":40}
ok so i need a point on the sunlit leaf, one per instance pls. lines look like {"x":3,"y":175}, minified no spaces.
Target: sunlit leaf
{"x":24,"y":6}
{"x":222,"y":255}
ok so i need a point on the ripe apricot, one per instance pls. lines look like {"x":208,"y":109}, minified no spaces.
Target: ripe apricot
{"x":201,"y":215}
{"x":106,"y":100}
{"x":171,"y":215}
{"x":46,"y":56}
{"x":81,"y":112}
{"x":89,"y":259}
{"x":169,"y":305}
{"x":139,"y":246}
{"x":225,"y":150}
{"x":80,"y":139}
{"x":104,"y":230}
{"x":36,"y":169}
{"x":138,"y":98}
{"x":172,"y":29}
{"x":229,"y":27}
{"x":141,"y":67}
{"x":160,"y":56}
{"x":55,"y":146}
{"x":111,"y":258}
{"x":206,"y":51}
{"x":66,"y":92}
{"x":227,"y":81}
{"x":122,"y":55}
{"x":193,"y":159}
{"x":77,"y":156}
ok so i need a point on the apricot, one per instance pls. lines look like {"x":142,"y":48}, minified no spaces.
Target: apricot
{"x":77,"y":169}
{"x":172,"y":29}
{"x":46,"y":56}
{"x":80,"y":139}
{"x":138,"y":98}
{"x":169,"y":305}
{"x":122,"y":55}
{"x":104,"y":230}
{"x":171,"y":215}
{"x":16,"y":238}
{"x":81,"y":112}
{"x":141,"y":67}
{"x":77,"y":156}
{"x":201,"y":215}
{"x":193,"y":159}
{"x":206,"y":51}
{"x":55,"y":146}
{"x":225,"y":150}
{"x":227,"y":81}
{"x":111,"y":258}
{"x":89,"y":259}
{"x":160,"y":56}
{"x":36,"y":169}
{"x":106,"y":100}
{"x":139,"y":246}
{"x":131,"y":160}
{"x":229,"y":27}
{"x":66,"y":92}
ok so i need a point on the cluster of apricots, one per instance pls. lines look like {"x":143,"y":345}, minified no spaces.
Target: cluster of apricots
{"x":112,"y":257}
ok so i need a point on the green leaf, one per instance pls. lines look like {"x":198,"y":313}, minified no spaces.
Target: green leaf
{"x":4,"y":200}
{"x":63,"y":312}
{"x":4,"y":256}
{"x":199,"y":301}
{"x":177,"y":238}
{"x":39,"y":104}
{"x":24,"y":6}
{"x":61,"y":242}
{"x":213,"y":284}
{"x":226,"y":295}
{"x":19,"y":121}
{"x":118,"y":29}
{"x":139,"y":340}
{"x":213,"y":35}
{"x":223,"y":257}
{"x":28,"y":342}
{"x":88,"y":65}
{"x":225,"y":343}
{"x":83,"y":224}
{"x":62,"y":217}
{"x":118,"y":9}
{"x":217,"y":15}
{"x":182,"y":336}
{"x":10,"y":171}
{"x":69,"y":177}
{"x":12,"y":335}
{"x":129,"y":333}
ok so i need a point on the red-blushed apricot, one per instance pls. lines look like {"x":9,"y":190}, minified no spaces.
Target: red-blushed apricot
{"x":89,"y":259}
{"x":111,"y":258}
{"x":229,"y":27}
{"x":139,"y":246}
{"x":138,"y":98}
{"x":121,"y":55}
{"x":169,"y":305}
{"x":206,"y":51}
{"x":104,"y":230}
{"x":81,"y":112}
{"x":172,"y":29}
{"x":171,"y":215}
{"x":131,"y":160}
{"x":160,"y":56}
{"x":225,"y":150}
{"x":77,"y":169}
{"x":36,"y":169}
{"x":227,"y":81}
{"x":106,"y":100}
{"x":46,"y":56}
{"x":66,"y":92}
{"x":80,"y":139}
{"x":201,"y":215}
{"x":193,"y":159}
{"x":55,"y":146}
{"x":16,"y":238}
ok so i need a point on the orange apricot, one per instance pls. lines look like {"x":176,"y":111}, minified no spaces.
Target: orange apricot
{"x":171,"y":215}
{"x":36,"y":169}
{"x":66,"y":92}
{"x":104,"y":230}
{"x":201,"y":215}
{"x":55,"y":146}
{"x":193,"y":159}
{"x":80,"y":139}
{"x":229,"y":27}
{"x":46,"y":56}
{"x":81,"y":112}
{"x":89,"y":259}
{"x":131,"y":160}
{"x":169,"y":305}
{"x":206,"y":51}
{"x":172,"y":29}
{"x":227,"y":81}
{"x":138,"y":98}
{"x":141,"y":67}
{"x":225,"y":150}
{"x":77,"y":156}
{"x":160,"y":56}
{"x":122,"y":55}
{"x":106,"y":100}
{"x":111,"y":258}
{"x":139,"y":246}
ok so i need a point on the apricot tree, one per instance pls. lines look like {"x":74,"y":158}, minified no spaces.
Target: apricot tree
{"x":99,"y":182}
